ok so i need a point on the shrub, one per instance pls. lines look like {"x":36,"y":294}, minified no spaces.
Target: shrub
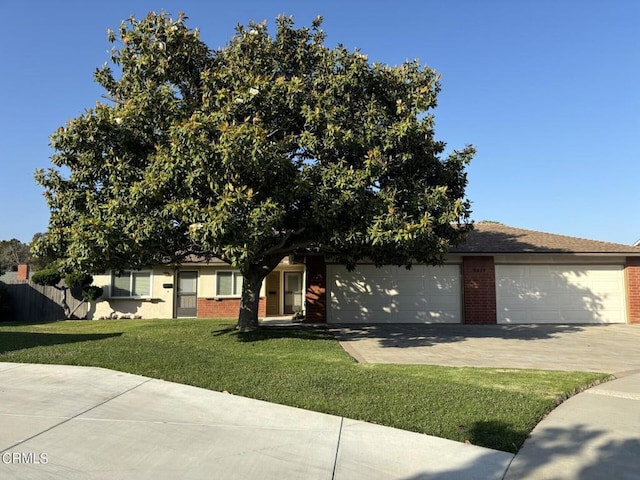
{"x":47,"y":276}
{"x":92,"y":292}
{"x":78,"y":280}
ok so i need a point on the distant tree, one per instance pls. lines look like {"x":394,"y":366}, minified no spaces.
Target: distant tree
{"x":269,"y":146}
{"x":13,"y":253}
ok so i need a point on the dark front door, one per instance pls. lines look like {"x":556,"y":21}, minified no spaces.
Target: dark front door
{"x":187,"y":300}
{"x":273,"y":293}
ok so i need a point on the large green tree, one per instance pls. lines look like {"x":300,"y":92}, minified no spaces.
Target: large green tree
{"x":269,"y":146}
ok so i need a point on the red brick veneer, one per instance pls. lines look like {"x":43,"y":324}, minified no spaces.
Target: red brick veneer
{"x":225,"y":307}
{"x":316,"y":290}
{"x":632,"y":280}
{"x":23,"y":272}
{"x":479,"y":290}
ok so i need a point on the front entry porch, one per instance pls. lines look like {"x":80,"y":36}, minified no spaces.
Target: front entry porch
{"x":284,"y":293}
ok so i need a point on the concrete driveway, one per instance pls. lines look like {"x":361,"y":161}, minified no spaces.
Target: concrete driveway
{"x":593,"y":348}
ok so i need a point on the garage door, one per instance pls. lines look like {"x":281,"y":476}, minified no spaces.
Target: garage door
{"x":394,"y":294}
{"x":560,"y":294}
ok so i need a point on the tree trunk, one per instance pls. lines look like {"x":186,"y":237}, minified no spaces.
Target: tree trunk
{"x":65,"y":305}
{"x":248,"y":317}
{"x":252,"y":279}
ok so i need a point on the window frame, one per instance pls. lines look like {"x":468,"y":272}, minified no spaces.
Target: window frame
{"x":130,"y":289}
{"x":234,"y":274}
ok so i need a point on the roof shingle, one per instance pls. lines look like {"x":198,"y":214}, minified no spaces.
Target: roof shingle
{"x":498,"y":238}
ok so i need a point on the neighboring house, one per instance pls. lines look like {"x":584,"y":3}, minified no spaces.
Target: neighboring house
{"x":500,"y":275}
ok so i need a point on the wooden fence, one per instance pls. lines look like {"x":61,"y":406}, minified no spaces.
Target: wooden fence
{"x":37,"y":303}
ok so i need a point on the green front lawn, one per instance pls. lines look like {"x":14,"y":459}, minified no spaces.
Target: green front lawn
{"x":306,"y":368}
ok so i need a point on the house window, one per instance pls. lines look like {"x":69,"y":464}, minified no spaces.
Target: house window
{"x":132,"y":284}
{"x":228,"y":284}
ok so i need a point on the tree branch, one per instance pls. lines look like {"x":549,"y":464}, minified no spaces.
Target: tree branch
{"x":280,"y":246}
{"x":112,"y":99}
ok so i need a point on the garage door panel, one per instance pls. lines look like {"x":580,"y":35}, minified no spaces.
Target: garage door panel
{"x":443,"y":285}
{"x":417,"y":304}
{"x":422,"y":294}
{"x":560,"y":294}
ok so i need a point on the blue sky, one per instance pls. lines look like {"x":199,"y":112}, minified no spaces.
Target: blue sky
{"x":546,"y":90}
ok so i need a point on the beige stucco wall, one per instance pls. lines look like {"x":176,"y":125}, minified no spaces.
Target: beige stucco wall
{"x":207,"y":277}
{"x":159,"y":305}
{"x":161,"y":302}
{"x":207,"y":282}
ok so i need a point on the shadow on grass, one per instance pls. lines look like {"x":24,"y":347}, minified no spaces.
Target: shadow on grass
{"x":40,"y":321}
{"x":276,"y":332}
{"x":12,"y":341}
{"x":497,"y":435}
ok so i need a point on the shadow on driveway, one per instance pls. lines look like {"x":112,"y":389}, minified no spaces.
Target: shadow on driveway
{"x":595,"y":348}
{"x":414,"y":335}
{"x":12,"y":341}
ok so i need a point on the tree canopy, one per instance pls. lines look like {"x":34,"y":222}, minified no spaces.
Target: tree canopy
{"x":269,"y":146}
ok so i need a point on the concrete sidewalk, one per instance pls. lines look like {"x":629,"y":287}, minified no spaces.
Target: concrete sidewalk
{"x":65,"y":422}
{"x":592,"y":436}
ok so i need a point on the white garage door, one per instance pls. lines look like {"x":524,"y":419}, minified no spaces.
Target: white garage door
{"x":560,"y":294}
{"x":423,"y":294}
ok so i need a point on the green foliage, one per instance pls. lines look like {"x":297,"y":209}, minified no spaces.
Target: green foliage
{"x":268,"y":146}
{"x":49,"y":276}
{"x":38,"y":262}
{"x":76,"y":279}
{"x":52,"y":275}
{"x":6,"y":308}
{"x":92,"y":292}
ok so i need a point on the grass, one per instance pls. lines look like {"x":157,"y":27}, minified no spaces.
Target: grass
{"x":306,"y":368}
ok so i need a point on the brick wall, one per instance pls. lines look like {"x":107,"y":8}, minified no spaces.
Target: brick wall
{"x":316,"y":290}
{"x":226,"y":308}
{"x":23,"y":272}
{"x":632,"y":276}
{"x":479,"y":290}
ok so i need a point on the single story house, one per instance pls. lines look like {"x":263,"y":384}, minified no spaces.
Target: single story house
{"x":501,"y":275}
